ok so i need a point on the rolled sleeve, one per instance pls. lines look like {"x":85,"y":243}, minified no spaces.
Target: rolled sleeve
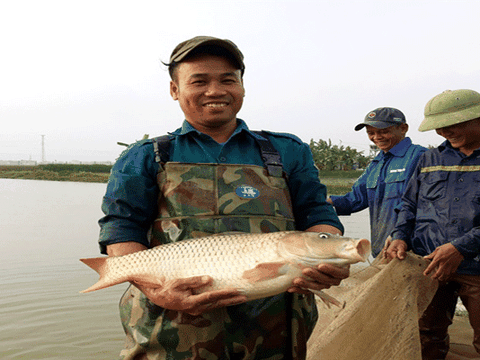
{"x":130,"y":201}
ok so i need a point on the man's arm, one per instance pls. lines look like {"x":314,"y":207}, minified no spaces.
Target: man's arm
{"x":130,"y":201}
{"x":395,"y":249}
{"x":397,"y":244}
{"x":124,"y":248}
{"x":445,"y":261}
{"x":356,"y":199}
{"x":307,"y":192}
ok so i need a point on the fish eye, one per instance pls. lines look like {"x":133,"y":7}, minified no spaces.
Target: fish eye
{"x":323,"y":236}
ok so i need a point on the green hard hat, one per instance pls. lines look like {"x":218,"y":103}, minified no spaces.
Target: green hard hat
{"x":449,"y":108}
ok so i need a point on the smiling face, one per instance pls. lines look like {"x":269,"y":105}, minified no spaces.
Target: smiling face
{"x":210,"y":92}
{"x":387,"y":138}
{"x":464,"y":136}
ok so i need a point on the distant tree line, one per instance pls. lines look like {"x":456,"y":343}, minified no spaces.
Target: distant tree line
{"x":337,"y":157}
{"x":327,"y":157}
{"x":92,"y":168}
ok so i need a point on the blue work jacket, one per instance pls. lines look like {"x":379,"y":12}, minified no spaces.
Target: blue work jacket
{"x":130,"y":202}
{"x":442,"y":205}
{"x":380,"y":188}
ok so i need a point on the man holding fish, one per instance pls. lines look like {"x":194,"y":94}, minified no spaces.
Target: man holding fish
{"x":214,"y":175}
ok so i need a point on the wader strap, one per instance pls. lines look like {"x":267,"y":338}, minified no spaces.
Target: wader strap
{"x":270,"y":156}
{"x":161,"y":146}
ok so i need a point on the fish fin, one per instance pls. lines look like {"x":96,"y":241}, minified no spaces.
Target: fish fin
{"x":97,"y":264}
{"x":327,"y":299}
{"x":149,"y":281}
{"x":100,"y":265}
{"x":264,"y":271}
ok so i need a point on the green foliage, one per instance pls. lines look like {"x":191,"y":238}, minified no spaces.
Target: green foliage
{"x":58,"y":172}
{"x":334,"y":157}
{"x":93,"y":168}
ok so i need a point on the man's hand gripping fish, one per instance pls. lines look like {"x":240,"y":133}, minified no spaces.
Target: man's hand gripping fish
{"x":258,"y":265}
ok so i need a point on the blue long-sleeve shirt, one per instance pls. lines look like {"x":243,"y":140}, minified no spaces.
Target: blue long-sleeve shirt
{"x":441,"y":205}
{"x":130,"y":202}
{"x":380,"y":188}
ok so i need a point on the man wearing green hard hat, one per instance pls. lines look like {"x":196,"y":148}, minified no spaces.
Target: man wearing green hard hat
{"x":440,"y":217}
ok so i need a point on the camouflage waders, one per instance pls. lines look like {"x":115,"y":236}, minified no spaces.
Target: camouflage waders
{"x":200,"y":199}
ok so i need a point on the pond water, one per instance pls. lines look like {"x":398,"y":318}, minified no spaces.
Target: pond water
{"x":45,"y":227}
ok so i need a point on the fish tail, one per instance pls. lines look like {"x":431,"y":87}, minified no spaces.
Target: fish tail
{"x":100,"y":266}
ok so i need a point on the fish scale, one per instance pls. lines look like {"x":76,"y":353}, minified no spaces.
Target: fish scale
{"x":258,"y":265}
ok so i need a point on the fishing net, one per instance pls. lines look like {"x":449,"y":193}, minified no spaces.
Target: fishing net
{"x":379,"y":319}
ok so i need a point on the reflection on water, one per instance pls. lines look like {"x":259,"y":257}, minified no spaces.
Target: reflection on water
{"x":45,"y":228}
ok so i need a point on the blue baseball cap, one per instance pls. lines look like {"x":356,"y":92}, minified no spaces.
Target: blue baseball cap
{"x":382,"y":118}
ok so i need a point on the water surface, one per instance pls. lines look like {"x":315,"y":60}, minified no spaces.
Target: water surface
{"x":45,"y":228}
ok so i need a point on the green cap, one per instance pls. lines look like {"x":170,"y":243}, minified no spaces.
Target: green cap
{"x":186,"y":47}
{"x":449,"y":108}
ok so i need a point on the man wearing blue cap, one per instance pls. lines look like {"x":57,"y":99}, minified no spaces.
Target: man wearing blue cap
{"x":382,"y":184}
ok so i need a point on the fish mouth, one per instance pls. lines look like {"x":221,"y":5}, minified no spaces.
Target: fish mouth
{"x":364,"y":249}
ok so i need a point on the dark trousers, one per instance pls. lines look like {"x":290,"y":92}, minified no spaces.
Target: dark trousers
{"x":438,"y":316}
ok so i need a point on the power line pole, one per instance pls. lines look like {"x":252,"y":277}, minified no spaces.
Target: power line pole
{"x":43,"y":148}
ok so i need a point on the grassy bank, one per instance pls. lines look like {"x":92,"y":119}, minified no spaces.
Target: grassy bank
{"x":337,"y":182}
{"x":58,"y":172}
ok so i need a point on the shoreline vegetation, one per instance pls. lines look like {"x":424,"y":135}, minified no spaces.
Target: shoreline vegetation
{"x":338,"y":182}
{"x":57,"y":172}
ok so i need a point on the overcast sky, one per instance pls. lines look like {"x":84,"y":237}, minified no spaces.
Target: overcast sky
{"x":87,"y":74}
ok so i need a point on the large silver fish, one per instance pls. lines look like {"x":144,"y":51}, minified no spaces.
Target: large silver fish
{"x":258,"y":265}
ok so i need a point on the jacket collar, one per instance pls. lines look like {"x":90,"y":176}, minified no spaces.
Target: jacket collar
{"x":187,"y":128}
{"x":447,"y":146}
